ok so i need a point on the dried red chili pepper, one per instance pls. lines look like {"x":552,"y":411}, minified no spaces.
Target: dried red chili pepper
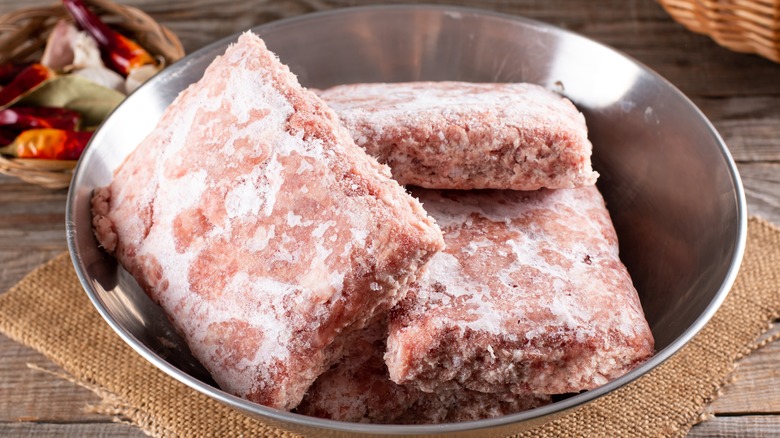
{"x":26,"y":80}
{"x":6,"y":136}
{"x":9,"y":71}
{"x":54,"y":144}
{"x":22,"y":118}
{"x":119,"y":52}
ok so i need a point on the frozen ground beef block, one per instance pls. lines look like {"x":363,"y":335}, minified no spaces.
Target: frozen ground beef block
{"x":458,"y":135}
{"x":528,"y":296}
{"x":266,"y":235}
{"x":358,"y":389}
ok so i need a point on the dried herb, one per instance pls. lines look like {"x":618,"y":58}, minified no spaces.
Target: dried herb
{"x":94,"y":102}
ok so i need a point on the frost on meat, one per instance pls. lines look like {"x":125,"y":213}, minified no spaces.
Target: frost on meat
{"x":458,"y":135}
{"x":358,"y":389}
{"x":265,"y":234}
{"x":528,"y":296}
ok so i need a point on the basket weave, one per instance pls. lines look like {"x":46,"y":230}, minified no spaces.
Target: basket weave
{"x":748,"y":26}
{"x":23,"y":35}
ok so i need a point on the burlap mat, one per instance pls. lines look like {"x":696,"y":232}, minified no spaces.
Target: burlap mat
{"x":49,"y":311}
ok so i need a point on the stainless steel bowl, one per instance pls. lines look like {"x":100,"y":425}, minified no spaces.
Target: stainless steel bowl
{"x":670,"y":183}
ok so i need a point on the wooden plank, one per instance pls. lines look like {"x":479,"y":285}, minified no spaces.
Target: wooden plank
{"x":755,"y":387}
{"x":748,"y":426}
{"x":26,"y":207}
{"x":718,"y":427}
{"x":54,"y":430}
{"x":32,"y":228}
{"x":762,"y":186}
{"x":15,"y":264}
{"x":739,"y":93}
{"x":749,"y":125}
{"x":34,"y":395}
{"x":641,"y":29}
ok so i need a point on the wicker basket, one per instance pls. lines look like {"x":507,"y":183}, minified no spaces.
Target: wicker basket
{"x":23,"y":35}
{"x":749,"y":26}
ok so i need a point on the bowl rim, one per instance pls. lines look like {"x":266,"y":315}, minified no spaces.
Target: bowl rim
{"x":283,"y":417}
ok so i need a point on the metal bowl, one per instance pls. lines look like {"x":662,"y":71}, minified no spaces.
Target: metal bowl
{"x":670,"y":183}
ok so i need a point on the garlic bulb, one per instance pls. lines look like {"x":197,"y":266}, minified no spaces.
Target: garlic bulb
{"x":86,"y":53}
{"x":58,"y":53}
{"x":69,"y":49}
{"x":103,"y":76}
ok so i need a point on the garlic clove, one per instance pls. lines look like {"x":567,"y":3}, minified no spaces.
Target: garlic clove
{"x":58,"y":53}
{"x":103,"y":76}
{"x":86,"y":53}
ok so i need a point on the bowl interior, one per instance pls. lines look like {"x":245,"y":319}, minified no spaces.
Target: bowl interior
{"x":669,"y":181}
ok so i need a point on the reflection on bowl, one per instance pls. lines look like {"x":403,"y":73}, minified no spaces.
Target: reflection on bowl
{"x":669,"y":181}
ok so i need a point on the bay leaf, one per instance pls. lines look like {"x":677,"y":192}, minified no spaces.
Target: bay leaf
{"x":95,"y":102}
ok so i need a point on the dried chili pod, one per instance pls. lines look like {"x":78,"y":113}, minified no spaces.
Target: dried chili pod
{"x":7,"y":136}
{"x":120,"y":53}
{"x":10,"y":70}
{"x":22,"y":118}
{"x":29,"y":78}
{"x":53,"y":144}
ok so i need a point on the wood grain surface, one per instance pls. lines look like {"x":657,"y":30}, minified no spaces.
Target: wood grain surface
{"x":739,"y":93}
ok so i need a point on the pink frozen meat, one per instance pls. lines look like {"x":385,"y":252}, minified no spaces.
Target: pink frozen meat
{"x":358,"y":389}
{"x":459,"y":135}
{"x":529,"y":296}
{"x":262,"y":230}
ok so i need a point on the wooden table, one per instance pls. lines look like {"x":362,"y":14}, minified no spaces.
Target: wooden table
{"x":739,"y":93}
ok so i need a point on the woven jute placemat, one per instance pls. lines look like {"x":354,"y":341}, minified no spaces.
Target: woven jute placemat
{"x":49,"y":311}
